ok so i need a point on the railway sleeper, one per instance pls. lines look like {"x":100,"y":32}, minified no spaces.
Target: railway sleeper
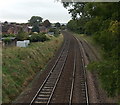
{"x":47,"y":87}
{"x":55,"y":76}
{"x":41,"y":100}
{"x":52,"y":78}
{"x":64,"y":54}
{"x":56,"y":70}
{"x":83,"y":89}
{"x":82,"y":80}
{"x":58,"y":66}
{"x":43,"y":95}
{"x":61,"y":60}
{"x":55,"y":73}
{"x":50,"y":83}
{"x":63,"y":57}
{"x":84,"y":95}
{"x":84,"y":99}
{"x":83,"y":84}
{"x":81,"y":77}
{"x":83,"y":92}
{"x":47,"y":90}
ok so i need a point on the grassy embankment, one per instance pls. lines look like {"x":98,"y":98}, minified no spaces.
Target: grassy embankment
{"x":20,"y":65}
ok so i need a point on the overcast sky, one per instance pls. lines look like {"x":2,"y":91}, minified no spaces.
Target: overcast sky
{"x":22,"y":10}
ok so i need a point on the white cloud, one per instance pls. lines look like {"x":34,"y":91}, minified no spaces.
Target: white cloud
{"x":22,"y":10}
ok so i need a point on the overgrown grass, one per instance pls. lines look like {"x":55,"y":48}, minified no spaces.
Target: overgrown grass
{"x":20,"y":65}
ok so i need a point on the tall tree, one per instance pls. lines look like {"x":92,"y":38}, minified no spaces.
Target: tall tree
{"x":47,"y":23}
{"x":35,"y":20}
{"x":57,"y":24}
{"x":103,"y":24}
{"x":35,"y":29}
{"x":75,"y":9}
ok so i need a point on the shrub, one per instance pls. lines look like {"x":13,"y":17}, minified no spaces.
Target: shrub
{"x":35,"y":29}
{"x":38,"y":38}
{"x":22,"y":36}
{"x":8,"y":35}
{"x":108,"y":71}
{"x":56,"y":31}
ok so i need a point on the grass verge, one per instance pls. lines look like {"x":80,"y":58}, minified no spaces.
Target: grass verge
{"x":20,"y":65}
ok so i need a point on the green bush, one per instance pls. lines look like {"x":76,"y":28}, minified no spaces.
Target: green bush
{"x":8,"y":35}
{"x":38,"y":38}
{"x":109,"y":74}
{"x":22,"y":36}
{"x":104,"y":25}
{"x":56,"y":31}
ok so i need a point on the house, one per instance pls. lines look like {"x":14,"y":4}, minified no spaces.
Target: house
{"x":8,"y":28}
{"x":50,"y":33}
{"x":9,"y":41}
{"x":43,"y":29}
{"x":14,"y":28}
{"x":25,"y":28}
{"x":30,"y":29}
{"x":5,"y":29}
{"x":11,"y":30}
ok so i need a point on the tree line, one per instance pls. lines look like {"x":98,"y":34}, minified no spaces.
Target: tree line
{"x":102,"y":22}
{"x":36,"y":21}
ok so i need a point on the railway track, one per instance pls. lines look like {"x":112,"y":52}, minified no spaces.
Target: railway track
{"x":83,"y":78}
{"x":47,"y":89}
